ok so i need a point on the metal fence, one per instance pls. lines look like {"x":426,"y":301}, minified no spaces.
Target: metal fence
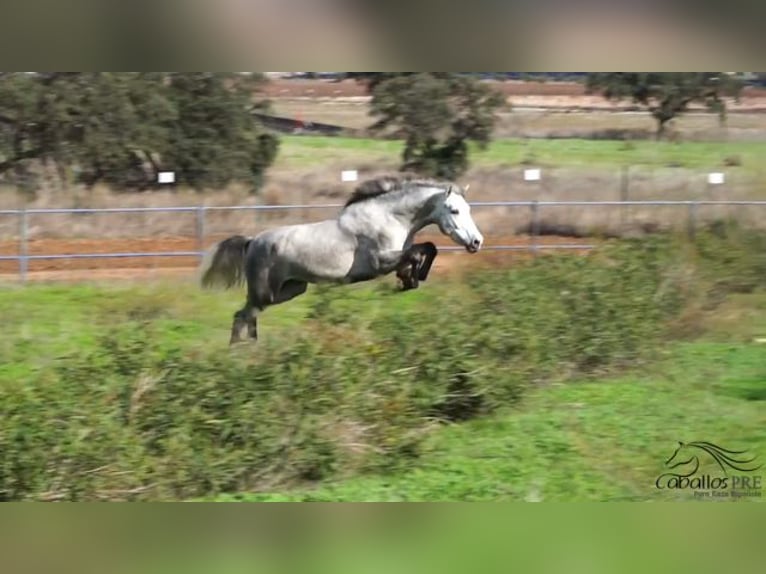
{"x":23,"y":257}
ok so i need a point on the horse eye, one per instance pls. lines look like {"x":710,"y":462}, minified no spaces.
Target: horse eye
{"x":454,"y":211}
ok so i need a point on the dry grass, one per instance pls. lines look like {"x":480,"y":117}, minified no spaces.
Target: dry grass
{"x":320,"y":185}
{"x":307,"y":172}
{"x":629,"y":125}
{"x":543,"y":116}
{"x":346,"y":113}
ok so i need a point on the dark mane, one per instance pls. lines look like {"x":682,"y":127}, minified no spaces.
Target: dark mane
{"x":390,"y":184}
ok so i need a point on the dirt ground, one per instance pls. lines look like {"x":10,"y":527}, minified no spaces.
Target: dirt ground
{"x":533,"y":94}
{"x":349,"y":89}
{"x":140,"y":267}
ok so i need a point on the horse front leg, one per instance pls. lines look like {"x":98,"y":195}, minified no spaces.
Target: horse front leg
{"x":415,"y":264}
{"x":429,"y":253}
{"x":408,"y":276}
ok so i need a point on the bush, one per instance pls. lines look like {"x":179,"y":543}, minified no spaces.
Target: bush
{"x":136,"y":417}
{"x":733,"y":258}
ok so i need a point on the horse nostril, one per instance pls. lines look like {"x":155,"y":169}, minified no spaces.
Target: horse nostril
{"x":476,"y":243}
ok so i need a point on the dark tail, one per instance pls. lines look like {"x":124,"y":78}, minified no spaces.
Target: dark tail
{"x":224,"y":264}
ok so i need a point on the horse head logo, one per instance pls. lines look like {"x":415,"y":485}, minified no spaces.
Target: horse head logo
{"x":686,"y":456}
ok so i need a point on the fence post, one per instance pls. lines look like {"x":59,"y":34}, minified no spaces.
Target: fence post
{"x":201,"y":231}
{"x":23,"y":245}
{"x":692,"y":220}
{"x":535,"y":227}
{"x":624,"y":194}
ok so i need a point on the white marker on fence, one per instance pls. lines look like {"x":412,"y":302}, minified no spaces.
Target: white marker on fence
{"x":349,"y":175}
{"x":716,"y":178}
{"x":531,"y":175}
{"x":166,"y":177}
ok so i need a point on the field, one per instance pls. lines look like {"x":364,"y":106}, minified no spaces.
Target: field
{"x":586,"y":440}
{"x":308,"y":169}
{"x":559,"y":379}
{"x":304,"y":151}
{"x":541,"y":117}
{"x":565,"y":95}
{"x":503,"y":378}
{"x":537,"y":109}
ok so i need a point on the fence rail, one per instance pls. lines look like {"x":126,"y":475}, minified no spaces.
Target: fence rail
{"x":23,"y":257}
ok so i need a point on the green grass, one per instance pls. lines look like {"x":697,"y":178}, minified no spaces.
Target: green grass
{"x":563,"y":369}
{"x":303,"y":151}
{"x":43,"y":322}
{"x":594,"y":440}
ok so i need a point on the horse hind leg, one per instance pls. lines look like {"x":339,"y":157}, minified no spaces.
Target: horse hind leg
{"x":252,"y":324}
{"x":260,"y":296}
{"x":290,"y":289}
{"x":264,"y":295}
{"x":257,"y":300}
{"x":248,"y":315}
{"x":241,"y":320}
{"x":245,"y":317}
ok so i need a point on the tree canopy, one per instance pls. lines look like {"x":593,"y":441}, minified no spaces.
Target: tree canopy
{"x":436,"y":113}
{"x":668,"y":94}
{"x":124,"y":127}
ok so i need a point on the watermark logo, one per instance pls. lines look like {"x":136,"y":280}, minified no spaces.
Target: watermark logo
{"x":735,"y":476}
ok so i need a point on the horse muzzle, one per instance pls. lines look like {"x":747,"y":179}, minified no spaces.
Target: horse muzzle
{"x":473,"y":246}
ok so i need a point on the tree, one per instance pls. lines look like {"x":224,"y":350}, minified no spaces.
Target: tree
{"x":372,"y":79}
{"x":124,"y":127}
{"x":668,"y":94}
{"x":216,"y":139}
{"x":121,"y":123}
{"x":436,"y":113}
{"x":39,"y":112}
{"x":19,"y":95}
{"x":104,"y":125}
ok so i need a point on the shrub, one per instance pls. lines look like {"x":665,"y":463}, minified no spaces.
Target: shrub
{"x":136,"y":416}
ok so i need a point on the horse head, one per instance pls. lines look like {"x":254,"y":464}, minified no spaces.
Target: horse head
{"x":453,"y":216}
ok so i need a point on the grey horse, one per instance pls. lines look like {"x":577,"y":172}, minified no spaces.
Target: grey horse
{"x":372,"y":236}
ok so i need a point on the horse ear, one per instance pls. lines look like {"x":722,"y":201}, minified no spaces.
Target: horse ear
{"x":465,"y":189}
{"x":449,"y":190}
